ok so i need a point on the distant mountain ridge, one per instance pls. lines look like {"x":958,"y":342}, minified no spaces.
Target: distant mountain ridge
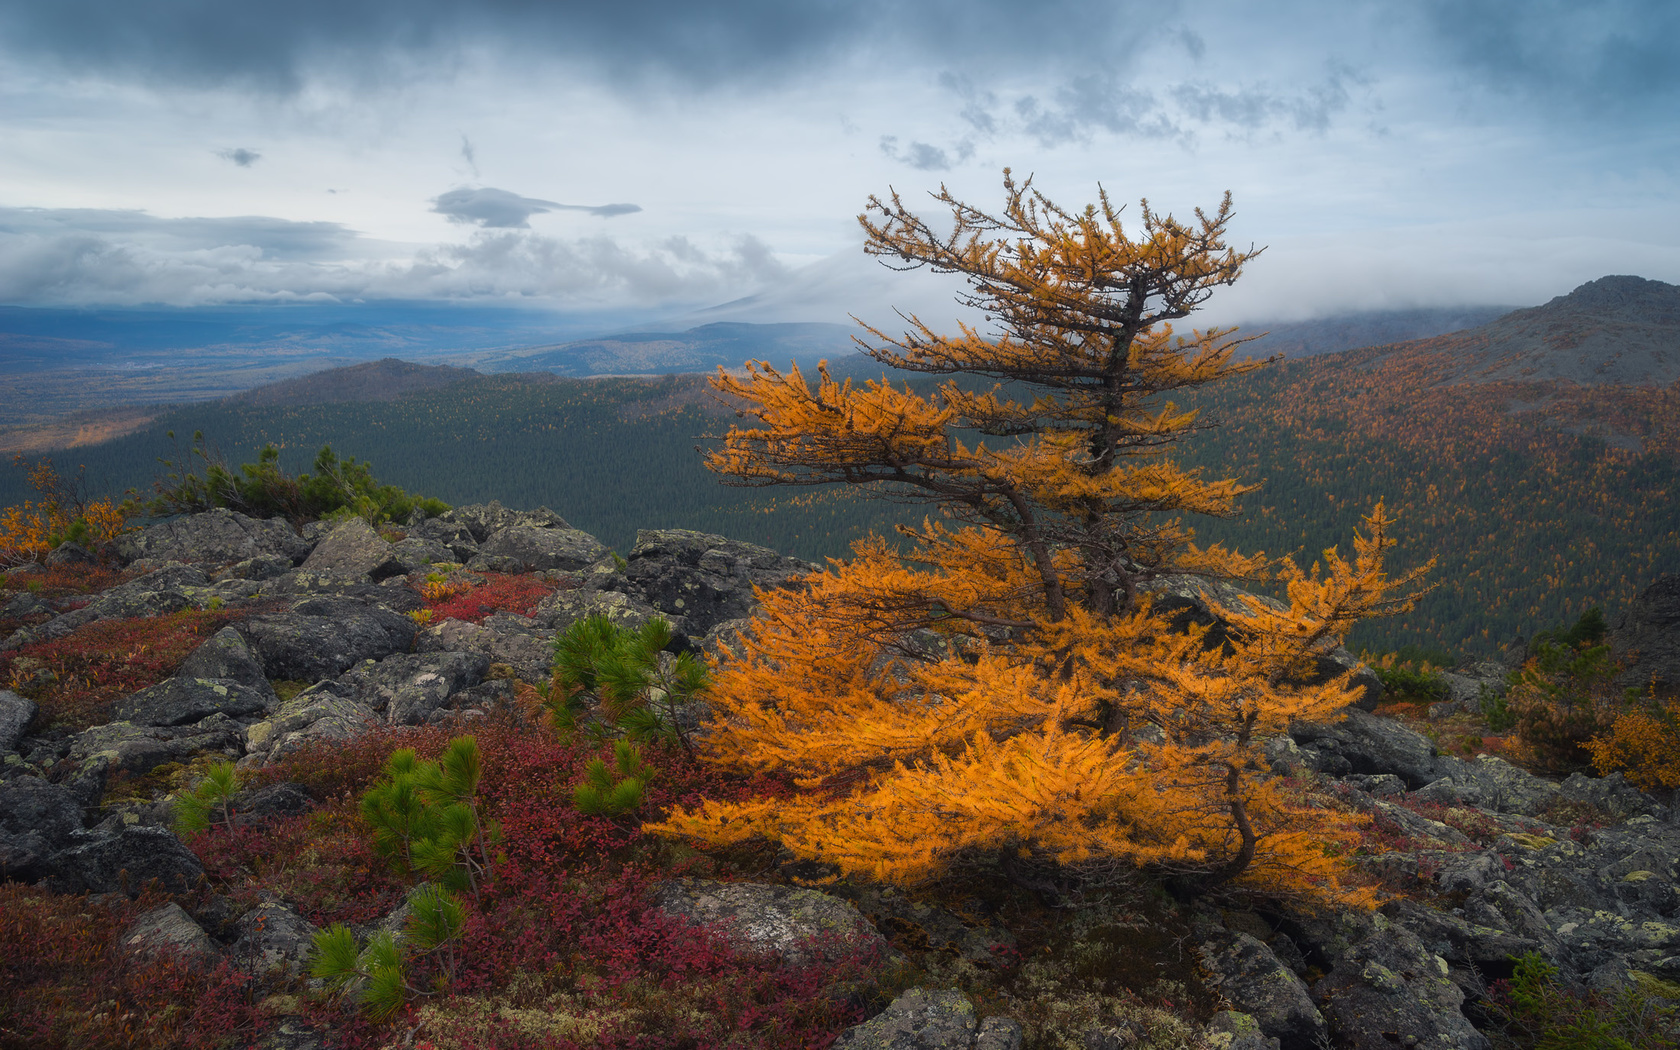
{"x":704,"y":348}
{"x":383,"y":380}
{"x":1615,"y":331}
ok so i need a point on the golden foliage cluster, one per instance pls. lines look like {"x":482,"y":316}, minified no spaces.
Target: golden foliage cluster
{"x":28,"y":533}
{"x":1009,"y":687}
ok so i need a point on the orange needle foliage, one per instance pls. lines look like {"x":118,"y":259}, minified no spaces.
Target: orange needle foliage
{"x":1008,"y":688}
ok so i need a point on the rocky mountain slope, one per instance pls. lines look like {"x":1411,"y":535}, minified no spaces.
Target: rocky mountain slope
{"x":328,"y":638}
{"x":1616,"y":330}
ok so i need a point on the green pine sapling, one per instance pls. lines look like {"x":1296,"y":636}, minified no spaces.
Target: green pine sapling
{"x":598,"y":662}
{"x":614,"y":792}
{"x":195,"y":810}
{"x":426,"y":819}
{"x":377,"y":974}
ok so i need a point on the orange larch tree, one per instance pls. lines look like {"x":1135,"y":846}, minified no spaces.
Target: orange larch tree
{"x":1007,"y":688}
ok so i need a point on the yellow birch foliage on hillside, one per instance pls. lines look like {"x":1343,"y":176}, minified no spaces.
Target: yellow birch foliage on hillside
{"x":1007,"y":686}
{"x":28,"y":533}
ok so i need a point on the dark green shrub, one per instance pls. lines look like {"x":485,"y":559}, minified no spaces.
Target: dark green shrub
{"x":377,"y":975}
{"x":622,"y":672}
{"x":263,"y":490}
{"x":1538,"y":1013}
{"x":425,"y":816}
{"x":617,"y":791}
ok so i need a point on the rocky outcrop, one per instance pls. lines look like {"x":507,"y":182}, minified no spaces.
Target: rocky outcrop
{"x":798,"y":925}
{"x":323,"y":636}
{"x":1249,"y":975}
{"x":273,"y":939}
{"x":704,"y":579}
{"x":931,"y":1020}
{"x":214,"y":537}
{"x":1646,"y":639}
{"x":523,"y":548}
{"x":187,"y":701}
{"x":125,"y":860}
{"x":354,"y":548}
{"x":37,"y":820}
{"x":168,"y":930}
{"x":16,"y":713}
{"x":409,"y":688}
{"x":1389,"y":990}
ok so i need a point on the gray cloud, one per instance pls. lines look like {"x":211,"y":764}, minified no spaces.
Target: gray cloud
{"x":925,"y":157}
{"x":241,"y":156}
{"x":469,"y":154}
{"x":491,"y":208}
{"x":1580,"y":55}
{"x":90,"y":257}
{"x":270,"y":237}
{"x":277,"y":47}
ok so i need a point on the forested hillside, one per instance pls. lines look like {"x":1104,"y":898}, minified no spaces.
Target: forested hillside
{"x":1538,"y":499}
{"x":610,"y":455}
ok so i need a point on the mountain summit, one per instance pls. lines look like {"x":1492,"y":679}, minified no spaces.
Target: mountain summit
{"x":1616,"y":330}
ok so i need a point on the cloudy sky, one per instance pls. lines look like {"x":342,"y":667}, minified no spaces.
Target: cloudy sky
{"x":667,"y":155}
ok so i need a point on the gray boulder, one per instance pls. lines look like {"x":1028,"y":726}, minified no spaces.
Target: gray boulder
{"x":1241,"y":1031}
{"x":226,"y":656}
{"x":931,"y":1020}
{"x":1247,"y":973}
{"x":1490,"y":783}
{"x":37,"y":820}
{"x":168,"y":930}
{"x":274,"y":939}
{"x":482,"y":520}
{"x":410,"y":687}
{"x":1372,"y":745}
{"x":705,"y":579}
{"x":125,"y":860}
{"x":166,"y":590}
{"x":325,"y":711}
{"x":262,"y":567}
{"x":16,"y":712}
{"x":324,"y":636}
{"x":214,"y":537}
{"x":504,"y":640}
{"x":1647,"y":639}
{"x":1389,"y":990}
{"x":68,"y":553}
{"x":453,"y":536}
{"x":353,"y":548}
{"x":183,"y":701}
{"x":525,"y":548}
{"x":800,"y":926}
{"x":567,"y":606}
{"x":415,"y":553}
{"x":141,"y":748}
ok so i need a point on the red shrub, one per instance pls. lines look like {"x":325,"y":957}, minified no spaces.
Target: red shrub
{"x":323,"y":862}
{"x":76,"y":678}
{"x":82,"y":992}
{"x":499,"y":593}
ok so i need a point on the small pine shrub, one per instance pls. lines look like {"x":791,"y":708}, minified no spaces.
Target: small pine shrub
{"x":425,"y":816}
{"x":1538,"y":1013}
{"x":598,"y":663}
{"x":208,"y":801}
{"x":617,"y":791}
{"x":263,"y":490}
{"x":378,"y":975}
